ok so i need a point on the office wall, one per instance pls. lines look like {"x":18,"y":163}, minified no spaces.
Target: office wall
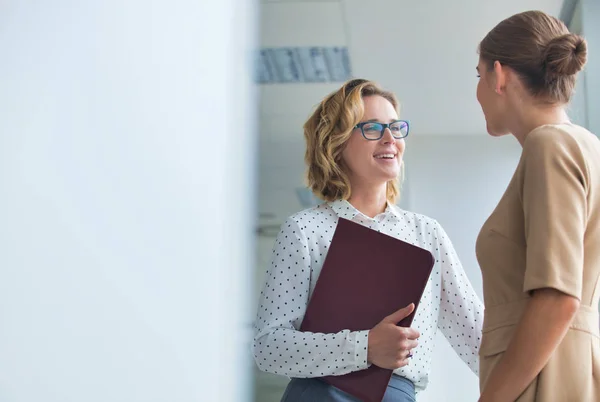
{"x":458,"y":180}
{"x":590,"y":15}
{"x":587,"y":91}
{"x":578,"y":108}
{"x":455,"y":179}
{"x":124,"y":187}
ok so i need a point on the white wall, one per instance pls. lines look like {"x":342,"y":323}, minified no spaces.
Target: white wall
{"x":578,"y":108}
{"x":590,"y":13}
{"x":119,"y":210}
{"x":587,"y":91}
{"x":458,"y":180}
{"x":454,"y":179}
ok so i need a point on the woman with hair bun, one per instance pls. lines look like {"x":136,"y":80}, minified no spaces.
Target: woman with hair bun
{"x":539,"y":251}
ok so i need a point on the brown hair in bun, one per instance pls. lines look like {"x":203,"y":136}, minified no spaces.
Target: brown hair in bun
{"x":565,"y":55}
{"x":541,"y":50}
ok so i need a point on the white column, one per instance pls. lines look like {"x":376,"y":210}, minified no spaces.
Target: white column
{"x":578,"y":107}
{"x":590,"y":12}
{"x":126,"y":200}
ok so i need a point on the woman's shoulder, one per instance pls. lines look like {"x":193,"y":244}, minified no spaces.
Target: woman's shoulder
{"x":553,"y":148}
{"x":551,"y":137}
{"x":321,"y":213}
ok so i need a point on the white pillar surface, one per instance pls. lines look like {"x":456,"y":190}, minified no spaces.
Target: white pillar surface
{"x":590,"y":10}
{"x":126,"y":200}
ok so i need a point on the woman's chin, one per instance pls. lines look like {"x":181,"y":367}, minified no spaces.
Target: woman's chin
{"x":495,"y":131}
{"x":390,"y":174}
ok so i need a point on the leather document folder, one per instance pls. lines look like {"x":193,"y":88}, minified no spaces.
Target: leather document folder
{"x":366,"y":276}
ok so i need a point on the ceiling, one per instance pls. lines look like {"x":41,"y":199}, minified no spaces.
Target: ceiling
{"x":424,"y":51}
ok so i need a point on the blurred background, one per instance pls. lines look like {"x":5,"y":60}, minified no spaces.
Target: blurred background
{"x":149,"y":151}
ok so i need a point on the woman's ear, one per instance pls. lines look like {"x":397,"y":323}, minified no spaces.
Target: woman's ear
{"x":499,"y":78}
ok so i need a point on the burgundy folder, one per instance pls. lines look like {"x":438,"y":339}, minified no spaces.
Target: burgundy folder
{"x":366,"y":276}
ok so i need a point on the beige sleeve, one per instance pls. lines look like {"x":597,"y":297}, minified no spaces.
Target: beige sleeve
{"x":554,"y":203}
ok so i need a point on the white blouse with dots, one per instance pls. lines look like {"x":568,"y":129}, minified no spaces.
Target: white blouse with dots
{"x":448,"y":303}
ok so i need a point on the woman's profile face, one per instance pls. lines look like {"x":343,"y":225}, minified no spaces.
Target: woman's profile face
{"x":374,"y":161}
{"x":491,"y":104}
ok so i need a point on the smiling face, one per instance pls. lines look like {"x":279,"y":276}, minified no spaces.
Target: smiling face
{"x":374,"y":162}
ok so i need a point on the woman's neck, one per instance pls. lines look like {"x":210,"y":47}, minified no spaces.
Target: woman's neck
{"x":371,"y":201}
{"x":534,"y":117}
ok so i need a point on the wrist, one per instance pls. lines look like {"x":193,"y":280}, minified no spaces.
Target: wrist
{"x":369,"y":340}
{"x":362,"y":350}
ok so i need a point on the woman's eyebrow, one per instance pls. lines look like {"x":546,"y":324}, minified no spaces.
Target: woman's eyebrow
{"x":378,"y":121}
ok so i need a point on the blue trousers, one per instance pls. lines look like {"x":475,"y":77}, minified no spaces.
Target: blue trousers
{"x":313,"y":390}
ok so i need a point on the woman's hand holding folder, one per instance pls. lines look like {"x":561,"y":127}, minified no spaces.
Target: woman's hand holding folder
{"x":389,"y":344}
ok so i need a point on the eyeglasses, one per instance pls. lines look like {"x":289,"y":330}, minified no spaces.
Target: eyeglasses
{"x":374,"y":131}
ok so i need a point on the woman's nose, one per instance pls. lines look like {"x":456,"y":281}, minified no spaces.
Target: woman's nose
{"x":388,"y":138}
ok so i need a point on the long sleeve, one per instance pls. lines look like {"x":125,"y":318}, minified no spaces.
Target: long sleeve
{"x":279,"y":347}
{"x":461,"y":310}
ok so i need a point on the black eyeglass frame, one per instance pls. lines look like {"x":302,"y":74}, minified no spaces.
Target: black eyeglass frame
{"x":383,"y":127}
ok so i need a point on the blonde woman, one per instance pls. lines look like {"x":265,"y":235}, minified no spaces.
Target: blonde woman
{"x":355,"y":144}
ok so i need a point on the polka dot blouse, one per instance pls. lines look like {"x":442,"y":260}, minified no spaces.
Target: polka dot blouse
{"x":449,"y":301}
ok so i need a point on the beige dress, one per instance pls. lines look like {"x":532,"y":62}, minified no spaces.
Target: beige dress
{"x":545,"y":233}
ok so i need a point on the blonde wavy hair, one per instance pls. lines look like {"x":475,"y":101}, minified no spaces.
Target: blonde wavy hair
{"x":326,"y":133}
